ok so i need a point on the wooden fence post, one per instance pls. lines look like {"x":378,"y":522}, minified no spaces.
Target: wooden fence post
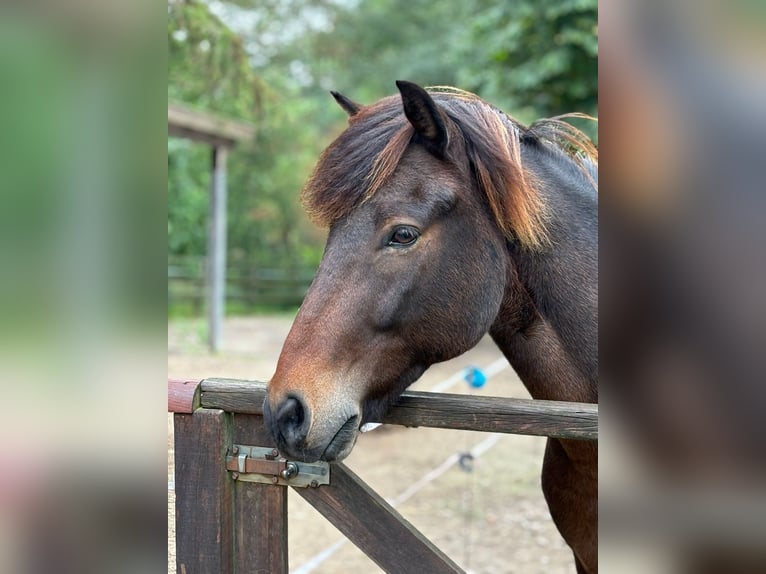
{"x":260,"y":516}
{"x":204,"y":511}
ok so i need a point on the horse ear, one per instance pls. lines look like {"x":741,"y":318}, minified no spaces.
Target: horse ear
{"x":350,"y":107}
{"x":425,"y":117}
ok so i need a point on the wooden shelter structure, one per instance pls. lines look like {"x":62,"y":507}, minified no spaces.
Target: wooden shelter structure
{"x":221,"y":134}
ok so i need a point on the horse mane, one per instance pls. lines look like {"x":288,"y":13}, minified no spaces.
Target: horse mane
{"x":363,"y":158}
{"x":564,"y":136}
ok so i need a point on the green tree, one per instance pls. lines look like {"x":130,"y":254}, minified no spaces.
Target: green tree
{"x":531,"y":57}
{"x":208,"y":65}
{"x":535,"y":58}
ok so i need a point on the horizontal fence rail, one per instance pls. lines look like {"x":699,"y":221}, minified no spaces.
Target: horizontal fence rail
{"x":439,"y":410}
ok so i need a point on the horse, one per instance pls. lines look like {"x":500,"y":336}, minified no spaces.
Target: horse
{"x":448,"y":220}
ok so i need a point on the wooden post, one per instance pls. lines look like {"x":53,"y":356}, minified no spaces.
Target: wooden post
{"x":222,"y":134}
{"x":217,"y":249}
{"x":260,"y":515}
{"x":204,"y":511}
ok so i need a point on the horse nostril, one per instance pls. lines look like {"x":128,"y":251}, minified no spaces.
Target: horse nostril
{"x":292,"y":420}
{"x":291,"y":413}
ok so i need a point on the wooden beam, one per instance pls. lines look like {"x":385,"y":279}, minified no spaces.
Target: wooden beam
{"x":379,"y":531}
{"x":440,"y":410}
{"x":183,"y":396}
{"x":497,"y":414}
{"x":234,"y":395}
{"x":186,"y":122}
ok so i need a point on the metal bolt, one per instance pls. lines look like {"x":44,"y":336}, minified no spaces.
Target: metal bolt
{"x":235,"y":475}
{"x":235,"y":449}
{"x":314,"y":484}
{"x":290,"y":471}
{"x":274,"y":479}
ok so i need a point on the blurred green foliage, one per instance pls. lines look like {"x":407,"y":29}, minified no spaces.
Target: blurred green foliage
{"x":540,"y":56}
{"x":210,"y":69}
{"x":272,"y":62}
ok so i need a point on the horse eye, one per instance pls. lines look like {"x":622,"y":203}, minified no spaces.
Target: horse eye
{"x":403,"y":236}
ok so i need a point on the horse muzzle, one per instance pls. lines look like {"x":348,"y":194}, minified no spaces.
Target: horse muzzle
{"x":298,"y":437}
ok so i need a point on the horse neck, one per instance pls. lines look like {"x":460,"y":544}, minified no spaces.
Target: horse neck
{"x":547,"y":326}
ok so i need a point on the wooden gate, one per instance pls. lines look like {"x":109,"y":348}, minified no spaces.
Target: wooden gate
{"x":225,"y":524}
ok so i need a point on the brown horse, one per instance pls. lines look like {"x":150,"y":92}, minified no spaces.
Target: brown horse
{"x":448,"y":220}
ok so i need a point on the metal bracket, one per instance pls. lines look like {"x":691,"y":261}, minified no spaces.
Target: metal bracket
{"x":264,"y":465}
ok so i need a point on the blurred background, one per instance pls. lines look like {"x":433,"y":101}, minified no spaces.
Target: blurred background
{"x":682,"y":326}
{"x":272,"y":64}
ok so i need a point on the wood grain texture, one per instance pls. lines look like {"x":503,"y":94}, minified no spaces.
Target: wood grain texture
{"x":183,"y":396}
{"x":260,"y":521}
{"x":440,"y":410}
{"x":204,"y":511}
{"x":366,"y":519}
{"x":496,"y":414}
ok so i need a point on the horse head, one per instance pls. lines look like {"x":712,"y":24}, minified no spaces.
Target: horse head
{"x":414,"y":271}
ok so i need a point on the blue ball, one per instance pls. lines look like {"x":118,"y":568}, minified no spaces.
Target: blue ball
{"x":475,"y":377}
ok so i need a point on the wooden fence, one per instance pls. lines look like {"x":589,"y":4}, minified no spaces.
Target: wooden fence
{"x":247,"y":284}
{"x":226,"y":524}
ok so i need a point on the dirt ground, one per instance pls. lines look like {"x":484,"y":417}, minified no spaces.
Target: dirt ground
{"x":492,"y":520}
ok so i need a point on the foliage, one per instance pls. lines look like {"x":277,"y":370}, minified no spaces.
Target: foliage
{"x":273,"y":62}
{"x":208,"y":65}
{"x":541,"y":57}
{"x":532,"y":57}
{"x":188,"y":182}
